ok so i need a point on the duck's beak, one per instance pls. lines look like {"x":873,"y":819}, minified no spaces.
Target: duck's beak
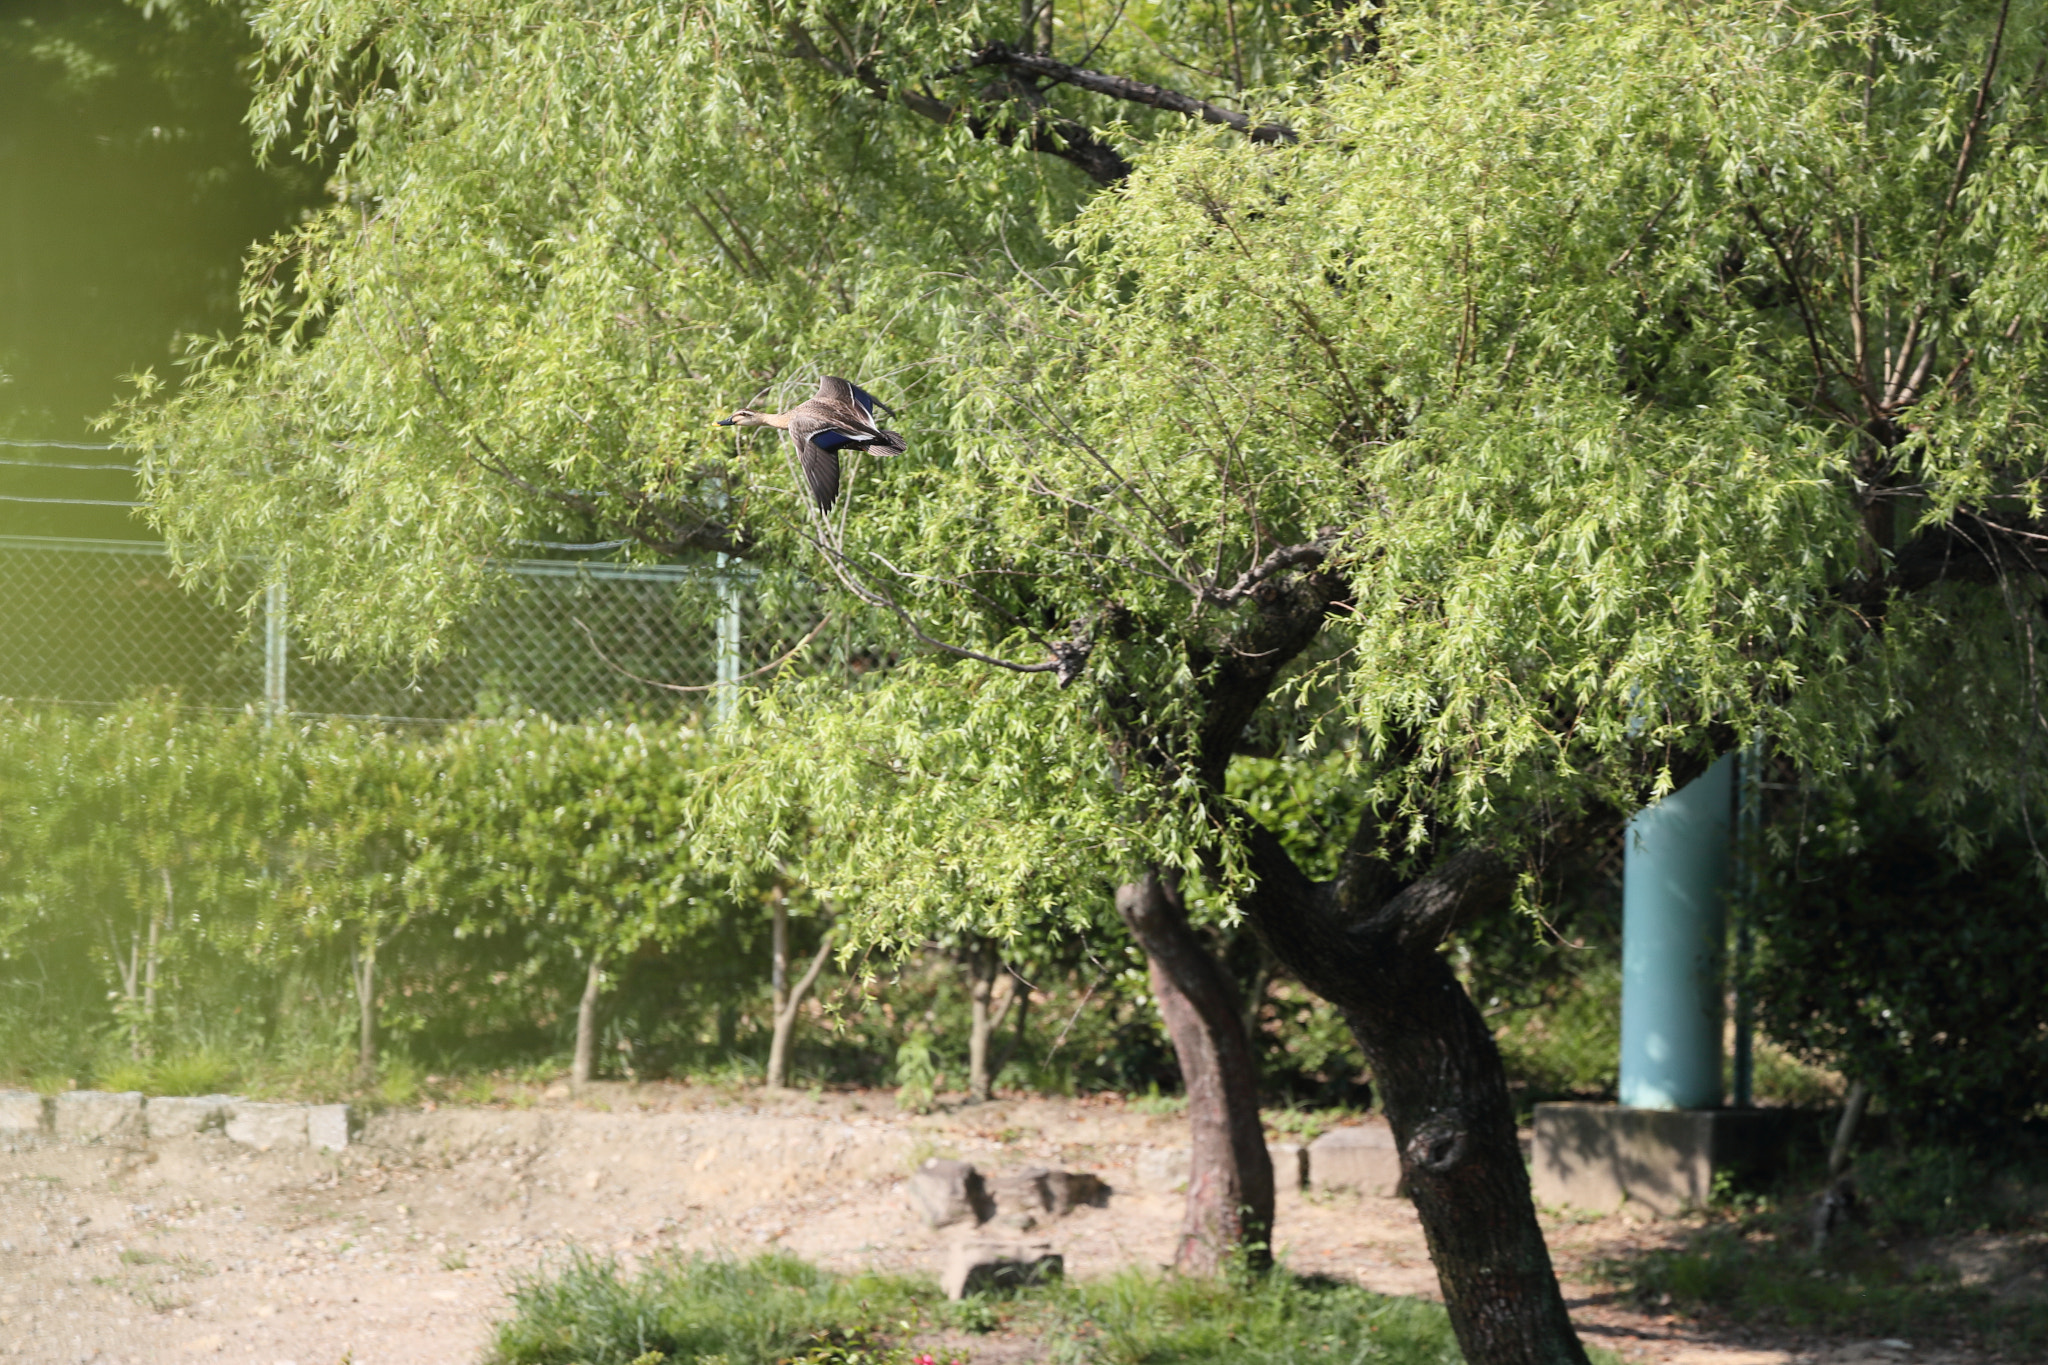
{"x":723,"y":422}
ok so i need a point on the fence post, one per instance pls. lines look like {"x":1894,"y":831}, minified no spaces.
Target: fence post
{"x":728,"y":639}
{"x":274,"y":696}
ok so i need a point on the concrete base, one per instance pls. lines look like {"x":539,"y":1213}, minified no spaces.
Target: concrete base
{"x":1360,"y":1157}
{"x":1598,"y":1157}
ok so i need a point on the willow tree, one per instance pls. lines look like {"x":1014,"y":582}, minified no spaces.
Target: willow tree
{"x":1528,"y":403}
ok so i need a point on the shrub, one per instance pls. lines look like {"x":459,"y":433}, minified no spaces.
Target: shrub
{"x":1906,"y":965}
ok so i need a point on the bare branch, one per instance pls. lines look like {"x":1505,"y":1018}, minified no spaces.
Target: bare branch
{"x":622,"y":670}
{"x":1131,"y":91}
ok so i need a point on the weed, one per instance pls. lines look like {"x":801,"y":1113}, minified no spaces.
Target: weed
{"x":124,"y":1076}
{"x":1152,"y":1102}
{"x":480,"y":1089}
{"x":398,"y":1081}
{"x":916,"y":1075}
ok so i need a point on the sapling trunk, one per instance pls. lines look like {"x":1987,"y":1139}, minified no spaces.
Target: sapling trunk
{"x":983,"y":964}
{"x":131,"y":974}
{"x":149,"y":963}
{"x":1019,"y":998}
{"x":789,"y":1004}
{"x":586,"y":1023}
{"x":366,"y":1006}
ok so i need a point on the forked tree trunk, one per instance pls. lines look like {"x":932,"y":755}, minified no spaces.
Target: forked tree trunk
{"x":586,"y":1024}
{"x":1230,"y":1176}
{"x":131,"y":972}
{"x":1367,"y":943}
{"x":787,"y":1002}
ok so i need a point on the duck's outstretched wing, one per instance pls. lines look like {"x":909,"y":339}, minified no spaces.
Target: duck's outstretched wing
{"x":817,"y":451}
{"x":846,"y":393}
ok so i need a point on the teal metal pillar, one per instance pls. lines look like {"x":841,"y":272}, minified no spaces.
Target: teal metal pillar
{"x":1674,"y":927}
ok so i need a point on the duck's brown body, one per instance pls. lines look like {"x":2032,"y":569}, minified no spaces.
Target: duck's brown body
{"x":838,"y":417}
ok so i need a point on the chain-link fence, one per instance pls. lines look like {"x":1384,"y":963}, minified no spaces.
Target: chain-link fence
{"x":98,"y":621}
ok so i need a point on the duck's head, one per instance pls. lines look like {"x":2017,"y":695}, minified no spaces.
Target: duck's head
{"x":745,"y":417}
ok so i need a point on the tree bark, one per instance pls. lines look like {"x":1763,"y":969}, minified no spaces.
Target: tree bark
{"x":1367,"y":942}
{"x":586,"y":1024}
{"x":1230,"y":1176}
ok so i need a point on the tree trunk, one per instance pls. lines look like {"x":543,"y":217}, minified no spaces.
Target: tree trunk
{"x":1367,"y":943}
{"x":788,"y":1002}
{"x":366,"y":1005}
{"x":1230,"y":1176}
{"x":586,"y":1024}
{"x":983,"y":963}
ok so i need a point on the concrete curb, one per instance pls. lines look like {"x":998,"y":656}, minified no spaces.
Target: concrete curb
{"x":91,"y":1116}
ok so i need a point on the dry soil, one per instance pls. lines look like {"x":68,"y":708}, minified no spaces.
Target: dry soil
{"x":400,"y":1250}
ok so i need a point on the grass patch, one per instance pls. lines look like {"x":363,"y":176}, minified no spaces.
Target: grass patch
{"x":765,"y":1310}
{"x":1864,"y":1289}
{"x":203,"y":1071}
{"x":777,"y":1309}
{"x":1140,"y":1319}
{"x":1883,"y":1274}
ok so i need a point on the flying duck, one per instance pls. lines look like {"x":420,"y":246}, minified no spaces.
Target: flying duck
{"x":840,"y":416}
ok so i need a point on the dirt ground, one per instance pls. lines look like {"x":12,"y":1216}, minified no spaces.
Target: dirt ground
{"x":400,"y":1250}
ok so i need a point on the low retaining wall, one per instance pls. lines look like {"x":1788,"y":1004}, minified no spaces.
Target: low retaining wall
{"x":103,"y":1116}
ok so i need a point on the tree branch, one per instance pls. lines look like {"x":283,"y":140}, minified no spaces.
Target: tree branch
{"x":1280,"y":561}
{"x":1431,"y":906}
{"x":1129,"y":90}
{"x":1067,"y":139}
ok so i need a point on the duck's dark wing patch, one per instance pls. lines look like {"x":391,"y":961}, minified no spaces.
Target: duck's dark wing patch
{"x":831,"y":438}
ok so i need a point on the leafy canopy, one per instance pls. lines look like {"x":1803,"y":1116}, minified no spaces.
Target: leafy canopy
{"x":1640,"y":374}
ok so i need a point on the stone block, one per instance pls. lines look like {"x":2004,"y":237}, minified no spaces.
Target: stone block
{"x":1162,"y":1169}
{"x":264,"y":1126}
{"x":1025,"y":1191}
{"x":169,"y":1116}
{"x":21,"y":1111}
{"x":1360,"y":1157}
{"x":98,"y":1116}
{"x":976,"y":1265}
{"x":327,"y":1127}
{"x":1599,"y":1157}
{"x":1290,"y":1165}
{"x":1069,"y":1190}
{"x":948,"y":1192}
